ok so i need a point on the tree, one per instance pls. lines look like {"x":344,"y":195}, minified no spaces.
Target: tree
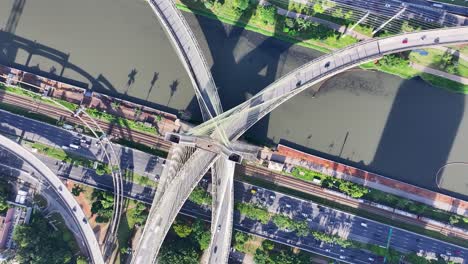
{"x":304,"y":24}
{"x":253,"y":212}
{"x":268,"y":14}
{"x":182,"y":229}
{"x":102,"y":206}
{"x":140,"y":213}
{"x":39,"y":243}
{"x":76,"y":190}
{"x":101,"y":169}
{"x":405,"y":27}
{"x":318,"y":8}
{"x":268,"y":245}
{"x":283,"y":222}
{"x":261,"y":257}
{"x":201,"y":234}
{"x":241,"y":5}
{"x":352,"y":189}
{"x":348,"y":15}
{"x":454,"y":219}
{"x":240,"y":239}
{"x":289,"y":23}
{"x":200,"y":196}
{"x":4,"y":193}
{"x":338,"y":13}
{"x":81,"y":260}
{"x":179,"y":252}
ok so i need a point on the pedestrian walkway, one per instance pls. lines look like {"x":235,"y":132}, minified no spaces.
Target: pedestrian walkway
{"x":453,"y":77}
{"x":372,"y":180}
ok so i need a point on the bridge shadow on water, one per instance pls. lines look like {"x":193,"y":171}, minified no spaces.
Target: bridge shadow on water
{"x":417,"y":138}
{"x":243,"y":62}
{"x":13,"y":48}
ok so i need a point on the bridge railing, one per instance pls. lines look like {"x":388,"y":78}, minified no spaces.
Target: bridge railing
{"x":323,"y":67}
{"x":190,"y":53}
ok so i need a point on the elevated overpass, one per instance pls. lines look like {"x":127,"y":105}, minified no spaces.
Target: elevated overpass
{"x":187,"y":165}
{"x":190,"y":54}
{"x":239,"y":119}
{"x":61,"y":190}
{"x":192,"y":58}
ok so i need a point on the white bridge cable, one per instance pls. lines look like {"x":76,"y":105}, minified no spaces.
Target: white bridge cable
{"x":315,"y":69}
{"x":117,"y":175}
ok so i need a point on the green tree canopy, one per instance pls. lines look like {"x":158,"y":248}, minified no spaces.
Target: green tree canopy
{"x":102,"y":206}
{"x":39,"y":243}
{"x":182,"y":229}
{"x":240,"y":4}
{"x":268,"y":14}
{"x":180,"y":252}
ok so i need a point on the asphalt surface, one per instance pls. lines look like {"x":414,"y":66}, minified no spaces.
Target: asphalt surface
{"x":423,"y":11}
{"x":318,"y":217}
{"x":61,"y":191}
{"x":138,"y":161}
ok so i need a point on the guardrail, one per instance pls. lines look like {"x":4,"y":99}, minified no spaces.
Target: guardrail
{"x":61,"y":190}
{"x":196,"y":66}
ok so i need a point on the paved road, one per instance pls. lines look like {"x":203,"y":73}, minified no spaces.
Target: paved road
{"x":61,"y":190}
{"x":319,"y":218}
{"x":142,"y":163}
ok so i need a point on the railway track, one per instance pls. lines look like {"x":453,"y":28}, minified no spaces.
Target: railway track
{"x":155,"y":141}
{"x":114,"y":130}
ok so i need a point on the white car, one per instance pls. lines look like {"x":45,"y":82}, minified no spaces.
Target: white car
{"x":342,"y":257}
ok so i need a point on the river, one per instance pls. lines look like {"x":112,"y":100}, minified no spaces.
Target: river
{"x":403,"y":129}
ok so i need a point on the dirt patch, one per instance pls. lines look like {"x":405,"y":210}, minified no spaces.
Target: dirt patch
{"x":85,"y":201}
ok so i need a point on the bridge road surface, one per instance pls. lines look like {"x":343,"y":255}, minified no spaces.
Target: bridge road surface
{"x":239,"y":119}
{"x":192,"y":58}
{"x":62,"y":191}
{"x":318,"y":217}
{"x":140,"y":162}
{"x":61,"y":137}
{"x":187,"y":166}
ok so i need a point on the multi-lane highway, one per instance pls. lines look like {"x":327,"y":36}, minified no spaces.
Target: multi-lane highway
{"x":318,"y":218}
{"x":62,"y":192}
{"x":57,"y":136}
{"x":138,"y":161}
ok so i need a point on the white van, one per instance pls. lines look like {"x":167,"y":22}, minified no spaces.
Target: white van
{"x":73,"y":146}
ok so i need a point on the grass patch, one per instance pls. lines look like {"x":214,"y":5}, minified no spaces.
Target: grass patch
{"x":60,"y":154}
{"x":407,"y":72}
{"x":435,"y":59}
{"x":37,"y":97}
{"x":445,"y":83}
{"x":355,"y":211}
{"x":141,"y":147}
{"x":225,"y":14}
{"x":131,"y":124}
{"x":139,"y":179}
{"x":307,"y":175}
